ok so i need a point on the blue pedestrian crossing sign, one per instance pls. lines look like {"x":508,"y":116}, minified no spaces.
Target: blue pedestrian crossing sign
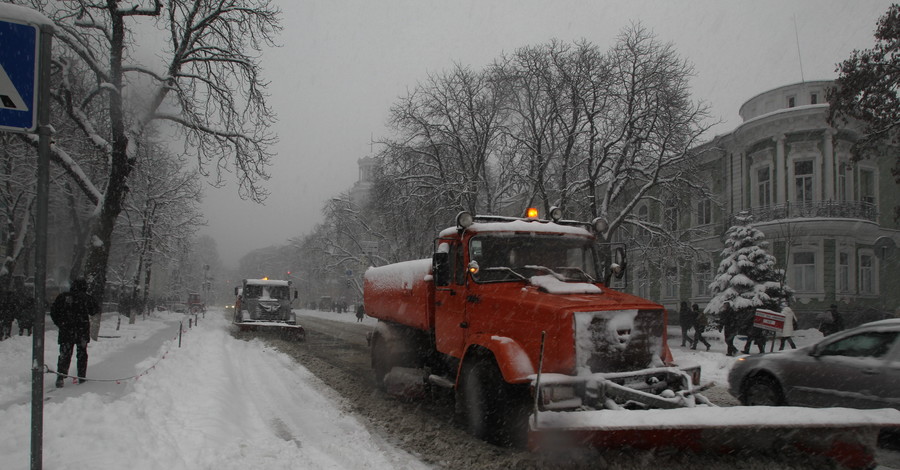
{"x":18,"y":76}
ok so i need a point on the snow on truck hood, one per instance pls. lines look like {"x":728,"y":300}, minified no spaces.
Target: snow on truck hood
{"x":552,"y":285}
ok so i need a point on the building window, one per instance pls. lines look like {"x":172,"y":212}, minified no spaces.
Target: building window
{"x":804,"y":271}
{"x":843,"y":274}
{"x":671,"y":282}
{"x":867,"y":186}
{"x":704,"y":211}
{"x":792,"y":101}
{"x":814,"y":98}
{"x":803,"y":181}
{"x":764,"y":186}
{"x":866,"y":274}
{"x":703,"y":277}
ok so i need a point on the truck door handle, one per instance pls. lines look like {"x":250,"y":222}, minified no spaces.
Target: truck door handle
{"x":464,"y":324}
{"x":473,"y":299}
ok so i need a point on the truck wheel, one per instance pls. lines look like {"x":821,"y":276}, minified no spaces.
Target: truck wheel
{"x":762,"y":390}
{"x":493,"y":410}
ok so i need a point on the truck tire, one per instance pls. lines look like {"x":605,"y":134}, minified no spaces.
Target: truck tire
{"x":491,"y":409}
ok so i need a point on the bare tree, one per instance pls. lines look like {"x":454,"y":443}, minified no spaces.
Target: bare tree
{"x":206,"y":84}
{"x":448,"y":130}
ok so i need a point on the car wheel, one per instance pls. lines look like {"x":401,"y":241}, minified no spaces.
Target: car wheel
{"x":762,"y":390}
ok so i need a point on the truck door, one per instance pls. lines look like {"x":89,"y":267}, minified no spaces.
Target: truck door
{"x":450,"y":303}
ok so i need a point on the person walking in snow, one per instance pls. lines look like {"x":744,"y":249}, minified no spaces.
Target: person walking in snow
{"x":7,"y":312}
{"x":71,"y":313}
{"x":25,"y":306}
{"x":360,"y":313}
{"x":831,"y":321}
{"x":686,"y":320}
{"x":730,"y":325}
{"x":790,"y":323}
{"x":754,"y":335}
{"x":700,"y":323}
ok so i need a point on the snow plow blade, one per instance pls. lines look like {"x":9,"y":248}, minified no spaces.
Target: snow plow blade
{"x":846,"y":436}
{"x":285,"y":330}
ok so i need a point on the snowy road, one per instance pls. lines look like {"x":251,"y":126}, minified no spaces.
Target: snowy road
{"x":216,"y":402}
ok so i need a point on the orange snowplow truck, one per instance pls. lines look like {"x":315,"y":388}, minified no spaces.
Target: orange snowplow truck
{"x":514,"y":315}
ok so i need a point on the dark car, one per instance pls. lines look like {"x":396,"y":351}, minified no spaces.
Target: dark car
{"x":855,"y":368}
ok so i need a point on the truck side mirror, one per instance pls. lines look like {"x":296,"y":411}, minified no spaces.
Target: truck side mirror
{"x":441,"y":268}
{"x":620,"y":262}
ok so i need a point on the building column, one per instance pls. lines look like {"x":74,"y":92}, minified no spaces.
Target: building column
{"x":828,"y":146}
{"x":779,"y":173}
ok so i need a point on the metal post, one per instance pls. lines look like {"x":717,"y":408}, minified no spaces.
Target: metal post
{"x":180,"y":329}
{"x":40,"y":250}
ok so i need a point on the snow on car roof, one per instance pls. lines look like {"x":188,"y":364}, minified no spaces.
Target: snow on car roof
{"x":537,"y":226}
{"x":266,"y":282}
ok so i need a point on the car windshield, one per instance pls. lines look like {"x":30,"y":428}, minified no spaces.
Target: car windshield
{"x":519,"y":256}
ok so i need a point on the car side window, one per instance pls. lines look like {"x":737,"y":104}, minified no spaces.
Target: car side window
{"x":868,"y":344}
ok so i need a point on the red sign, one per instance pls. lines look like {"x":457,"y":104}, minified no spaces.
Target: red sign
{"x":768,"y":320}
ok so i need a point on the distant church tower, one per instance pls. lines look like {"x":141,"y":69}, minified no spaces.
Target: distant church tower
{"x":362,"y":189}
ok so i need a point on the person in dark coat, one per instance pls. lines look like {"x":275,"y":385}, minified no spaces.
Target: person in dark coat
{"x":360,"y":313}
{"x":754,"y":335}
{"x":25,"y":306}
{"x":8,"y":309}
{"x":730,"y":324}
{"x":71,"y":313}
{"x":686,"y":319}
{"x":831,"y":321}
{"x":700,"y":323}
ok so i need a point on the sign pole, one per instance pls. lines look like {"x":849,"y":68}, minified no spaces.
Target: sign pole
{"x":40,"y":249}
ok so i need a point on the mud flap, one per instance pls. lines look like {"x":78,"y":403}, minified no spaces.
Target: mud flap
{"x":847,"y":437}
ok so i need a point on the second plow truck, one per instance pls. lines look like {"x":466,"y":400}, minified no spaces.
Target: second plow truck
{"x":265,"y":305}
{"x":516,"y":318}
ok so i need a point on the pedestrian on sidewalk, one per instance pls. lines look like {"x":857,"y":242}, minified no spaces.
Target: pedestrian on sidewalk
{"x":24,"y":306}
{"x":7,"y":308}
{"x":790,"y":324}
{"x":730,"y":326}
{"x":700,"y":323}
{"x":71,"y":313}
{"x":686,"y":320}
{"x":360,"y":313}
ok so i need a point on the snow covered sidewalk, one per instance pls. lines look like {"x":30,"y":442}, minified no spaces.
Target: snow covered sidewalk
{"x":215,"y":402}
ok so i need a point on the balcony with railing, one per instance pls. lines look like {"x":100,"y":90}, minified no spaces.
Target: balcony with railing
{"x":813,"y":210}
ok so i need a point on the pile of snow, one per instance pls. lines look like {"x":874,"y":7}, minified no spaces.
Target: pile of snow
{"x":214,"y":402}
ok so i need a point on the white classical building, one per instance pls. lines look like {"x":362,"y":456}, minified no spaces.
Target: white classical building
{"x":829,"y":219}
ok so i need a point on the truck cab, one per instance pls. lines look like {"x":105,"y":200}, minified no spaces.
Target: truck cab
{"x":264,"y":300}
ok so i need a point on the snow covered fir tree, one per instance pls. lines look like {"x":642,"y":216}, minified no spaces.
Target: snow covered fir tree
{"x":747,"y":278}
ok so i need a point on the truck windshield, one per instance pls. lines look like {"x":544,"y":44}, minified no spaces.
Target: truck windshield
{"x":519,"y":256}
{"x":255,"y":291}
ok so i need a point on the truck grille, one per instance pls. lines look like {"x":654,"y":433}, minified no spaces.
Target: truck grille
{"x":618,"y":340}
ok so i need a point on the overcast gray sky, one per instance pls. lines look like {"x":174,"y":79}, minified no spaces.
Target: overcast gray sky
{"x":343,"y":63}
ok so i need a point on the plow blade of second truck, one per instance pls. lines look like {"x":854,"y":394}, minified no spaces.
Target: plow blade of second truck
{"x":846,"y":436}
{"x":285,"y":330}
